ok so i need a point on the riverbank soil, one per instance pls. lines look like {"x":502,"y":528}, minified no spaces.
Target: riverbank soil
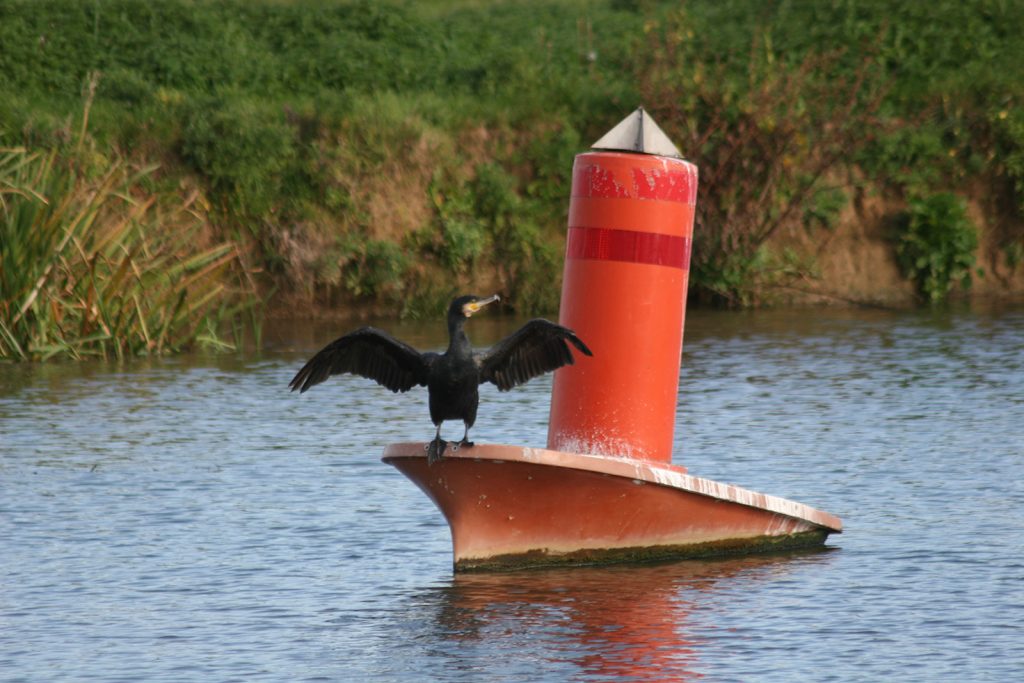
{"x":854,"y":263}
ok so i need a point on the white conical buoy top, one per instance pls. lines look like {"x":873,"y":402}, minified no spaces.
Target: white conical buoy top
{"x":638,"y":133}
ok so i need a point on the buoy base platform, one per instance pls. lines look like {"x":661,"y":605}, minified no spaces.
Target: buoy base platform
{"x":513,"y":507}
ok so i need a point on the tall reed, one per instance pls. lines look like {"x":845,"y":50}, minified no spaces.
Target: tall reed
{"x":91,"y":266}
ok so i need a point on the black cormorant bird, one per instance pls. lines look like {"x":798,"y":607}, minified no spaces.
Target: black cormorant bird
{"x":452,"y":378}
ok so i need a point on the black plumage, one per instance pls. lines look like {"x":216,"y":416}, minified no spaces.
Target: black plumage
{"x":452,"y":378}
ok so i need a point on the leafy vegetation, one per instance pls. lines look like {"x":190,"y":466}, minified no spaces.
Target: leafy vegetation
{"x":815,"y":102}
{"x":393,"y":153}
{"x":92,"y":265}
{"x":772,"y":140}
{"x":935,"y":245}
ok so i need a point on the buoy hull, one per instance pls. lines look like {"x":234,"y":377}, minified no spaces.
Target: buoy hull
{"x":509,"y":506}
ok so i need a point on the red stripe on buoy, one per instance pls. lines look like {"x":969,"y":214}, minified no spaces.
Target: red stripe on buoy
{"x":609,"y":244}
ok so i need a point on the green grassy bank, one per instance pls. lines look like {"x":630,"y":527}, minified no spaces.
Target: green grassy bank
{"x":390,"y":154}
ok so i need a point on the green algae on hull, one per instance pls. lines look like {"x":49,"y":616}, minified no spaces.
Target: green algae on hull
{"x":541,"y":558}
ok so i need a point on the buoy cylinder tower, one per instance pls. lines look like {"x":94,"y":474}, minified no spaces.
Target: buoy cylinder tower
{"x":624,"y":285}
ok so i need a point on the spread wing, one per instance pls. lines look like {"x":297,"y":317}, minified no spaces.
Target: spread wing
{"x":537,"y":347}
{"x":367,"y":352}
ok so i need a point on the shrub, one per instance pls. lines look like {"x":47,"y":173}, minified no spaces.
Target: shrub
{"x":527,"y":260}
{"x":935,"y":245}
{"x":459,"y":234}
{"x":374,"y":268}
{"x":244,"y":150}
{"x":765,"y":136}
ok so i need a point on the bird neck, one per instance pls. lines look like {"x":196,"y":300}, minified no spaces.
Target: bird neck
{"x":458,"y":342}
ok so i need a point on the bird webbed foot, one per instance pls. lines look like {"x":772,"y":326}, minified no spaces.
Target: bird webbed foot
{"x":465,"y":443}
{"x":435,"y":450}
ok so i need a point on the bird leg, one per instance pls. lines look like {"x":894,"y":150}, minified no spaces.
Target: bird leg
{"x":435,"y":449}
{"x":465,"y":441}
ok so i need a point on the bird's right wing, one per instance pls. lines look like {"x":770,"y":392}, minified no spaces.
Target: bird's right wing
{"x":537,"y":347}
{"x":367,"y":352}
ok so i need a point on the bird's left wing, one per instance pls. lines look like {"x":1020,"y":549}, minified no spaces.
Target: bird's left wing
{"x":537,"y":347}
{"x":367,"y":352}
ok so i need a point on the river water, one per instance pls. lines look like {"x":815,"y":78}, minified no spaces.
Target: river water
{"x":190,"y":519}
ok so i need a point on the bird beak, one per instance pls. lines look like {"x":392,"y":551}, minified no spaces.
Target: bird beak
{"x":471,"y":308}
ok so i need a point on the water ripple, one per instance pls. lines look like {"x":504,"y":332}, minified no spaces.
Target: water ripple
{"x":189,"y":519}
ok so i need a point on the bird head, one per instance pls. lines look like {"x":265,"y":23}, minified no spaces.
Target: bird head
{"x":466,"y":306}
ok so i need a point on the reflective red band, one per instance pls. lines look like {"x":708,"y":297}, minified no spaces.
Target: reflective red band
{"x":608,"y":244}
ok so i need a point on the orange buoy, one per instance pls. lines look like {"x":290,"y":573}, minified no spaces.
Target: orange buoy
{"x":624,"y":291}
{"x":605,"y":489}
